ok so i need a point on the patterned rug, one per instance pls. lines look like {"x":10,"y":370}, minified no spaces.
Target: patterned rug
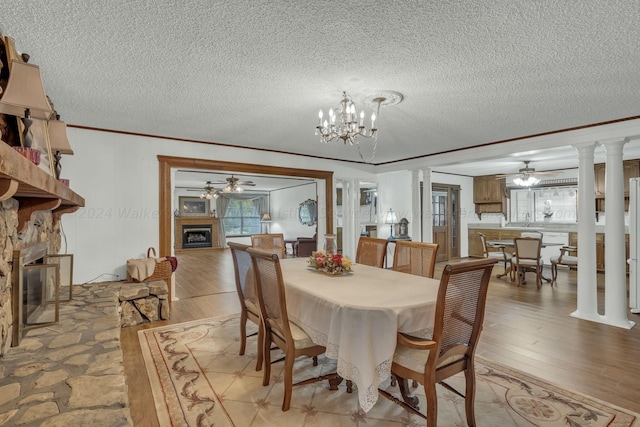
{"x":198,"y":379}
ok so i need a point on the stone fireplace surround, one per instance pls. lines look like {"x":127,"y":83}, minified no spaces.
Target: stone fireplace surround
{"x":41,"y":228}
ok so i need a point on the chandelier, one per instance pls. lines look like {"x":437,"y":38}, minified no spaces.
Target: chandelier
{"x":346,"y":125}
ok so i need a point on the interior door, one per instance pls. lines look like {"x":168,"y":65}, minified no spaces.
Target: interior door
{"x":446,"y":220}
{"x":440,"y":227}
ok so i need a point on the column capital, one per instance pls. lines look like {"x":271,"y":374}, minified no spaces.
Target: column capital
{"x":584,"y":146}
{"x":613,"y":142}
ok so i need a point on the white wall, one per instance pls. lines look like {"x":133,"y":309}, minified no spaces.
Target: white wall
{"x":117,"y":175}
{"x":394,"y":192}
{"x":284,"y":211}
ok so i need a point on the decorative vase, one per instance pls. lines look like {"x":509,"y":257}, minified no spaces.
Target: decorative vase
{"x":330,"y":247}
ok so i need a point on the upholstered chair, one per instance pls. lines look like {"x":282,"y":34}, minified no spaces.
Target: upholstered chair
{"x":451,"y":348}
{"x":371,"y":251}
{"x":273,"y":243}
{"x":246,"y":287}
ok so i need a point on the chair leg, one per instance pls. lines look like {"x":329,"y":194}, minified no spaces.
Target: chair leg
{"x":266,"y":353}
{"x":554,"y":272}
{"x":432,"y":404}
{"x":243,"y":332}
{"x":288,"y":381}
{"x":470,"y":394}
{"x":260,"y":360}
{"x":539,"y":276}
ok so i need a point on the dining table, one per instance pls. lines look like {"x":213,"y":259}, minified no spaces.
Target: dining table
{"x":358,"y":315}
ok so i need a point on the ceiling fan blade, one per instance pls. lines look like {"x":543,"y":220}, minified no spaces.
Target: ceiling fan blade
{"x":249,"y":183}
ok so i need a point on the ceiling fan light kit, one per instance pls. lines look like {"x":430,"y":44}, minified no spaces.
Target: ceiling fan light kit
{"x":526,"y":176}
{"x":233,"y":185}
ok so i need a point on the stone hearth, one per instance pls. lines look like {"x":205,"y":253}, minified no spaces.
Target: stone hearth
{"x":144,"y":302}
{"x":70,"y":373}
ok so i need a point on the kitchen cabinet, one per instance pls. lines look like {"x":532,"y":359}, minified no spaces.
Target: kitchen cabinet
{"x":475,"y":244}
{"x":600,"y":173}
{"x":631,"y":169}
{"x":489,"y":195}
{"x":600,"y":262}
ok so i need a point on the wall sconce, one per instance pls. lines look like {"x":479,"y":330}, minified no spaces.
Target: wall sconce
{"x":24,"y":96}
{"x":59,"y":142}
{"x":391,"y":219}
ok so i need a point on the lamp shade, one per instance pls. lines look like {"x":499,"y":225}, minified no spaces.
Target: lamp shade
{"x":391,"y":218}
{"x":25,"y":93}
{"x":58,"y":137}
{"x":266,"y":218}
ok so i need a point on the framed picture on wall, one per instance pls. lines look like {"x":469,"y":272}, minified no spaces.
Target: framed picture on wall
{"x":193,"y":206}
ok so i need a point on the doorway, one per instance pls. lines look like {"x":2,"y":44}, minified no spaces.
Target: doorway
{"x":166,"y":163}
{"x":445,"y":209}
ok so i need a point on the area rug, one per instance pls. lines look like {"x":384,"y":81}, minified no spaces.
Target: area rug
{"x":198,"y":379}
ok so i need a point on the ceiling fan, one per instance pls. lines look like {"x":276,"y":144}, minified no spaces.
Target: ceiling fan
{"x":210,"y":191}
{"x":233,"y":184}
{"x":526,"y":176}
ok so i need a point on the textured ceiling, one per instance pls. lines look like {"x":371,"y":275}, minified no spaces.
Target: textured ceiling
{"x":255,"y":73}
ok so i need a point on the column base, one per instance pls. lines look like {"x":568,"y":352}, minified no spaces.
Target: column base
{"x":620,"y":323}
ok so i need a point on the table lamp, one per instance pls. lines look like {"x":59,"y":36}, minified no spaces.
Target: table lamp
{"x":391,"y":219}
{"x":24,"y":96}
{"x":59,"y":143}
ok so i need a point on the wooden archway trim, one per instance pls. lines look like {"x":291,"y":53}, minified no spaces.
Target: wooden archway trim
{"x":164,"y":182}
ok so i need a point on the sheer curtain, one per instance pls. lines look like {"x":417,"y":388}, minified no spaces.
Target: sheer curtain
{"x":222,"y":203}
{"x":260,"y":204}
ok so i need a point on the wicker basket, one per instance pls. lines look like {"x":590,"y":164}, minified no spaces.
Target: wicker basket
{"x":162,"y":270}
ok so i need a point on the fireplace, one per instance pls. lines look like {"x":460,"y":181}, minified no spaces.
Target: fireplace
{"x":196,"y":236}
{"x":35,"y":292}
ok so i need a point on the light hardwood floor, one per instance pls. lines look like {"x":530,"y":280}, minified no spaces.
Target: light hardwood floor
{"x":526,"y":328}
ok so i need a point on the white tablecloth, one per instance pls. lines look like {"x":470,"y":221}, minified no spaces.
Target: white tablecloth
{"x":357,"y":316}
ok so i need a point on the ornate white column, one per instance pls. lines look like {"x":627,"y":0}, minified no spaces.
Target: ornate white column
{"x":587,"y":304}
{"x":350,"y":216}
{"x":427,"y":220}
{"x":615,"y":302}
{"x":416,"y":209}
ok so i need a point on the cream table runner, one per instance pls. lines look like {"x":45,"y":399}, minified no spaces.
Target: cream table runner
{"x":357,"y":316}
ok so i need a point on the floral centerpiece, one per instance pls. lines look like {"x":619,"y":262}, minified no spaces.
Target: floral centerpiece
{"x":331,"y":264}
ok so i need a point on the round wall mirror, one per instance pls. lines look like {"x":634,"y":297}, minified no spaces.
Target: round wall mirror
{"x":308,"y":212}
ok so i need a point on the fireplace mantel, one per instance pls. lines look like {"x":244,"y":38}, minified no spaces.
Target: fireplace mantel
{"x":195,"y":220}
{"x":33,"y":188}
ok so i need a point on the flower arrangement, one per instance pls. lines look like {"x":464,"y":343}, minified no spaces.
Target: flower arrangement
{"x":330,"y":264}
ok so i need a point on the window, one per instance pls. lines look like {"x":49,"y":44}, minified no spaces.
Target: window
{"x":544,"y":205}
{"x":242,"y":218}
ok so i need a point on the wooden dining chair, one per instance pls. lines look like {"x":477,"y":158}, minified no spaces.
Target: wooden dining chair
{"x":527,"y":258}
{"x":371,"y":251}
{"x":451,"y":348}
{"x":568,"y":257}
{"x":416,"y":258}
{"x":288,"y":336}
{"x":246,"y":287}
{"x":273,"y":243}
{"x":498,"y":252}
